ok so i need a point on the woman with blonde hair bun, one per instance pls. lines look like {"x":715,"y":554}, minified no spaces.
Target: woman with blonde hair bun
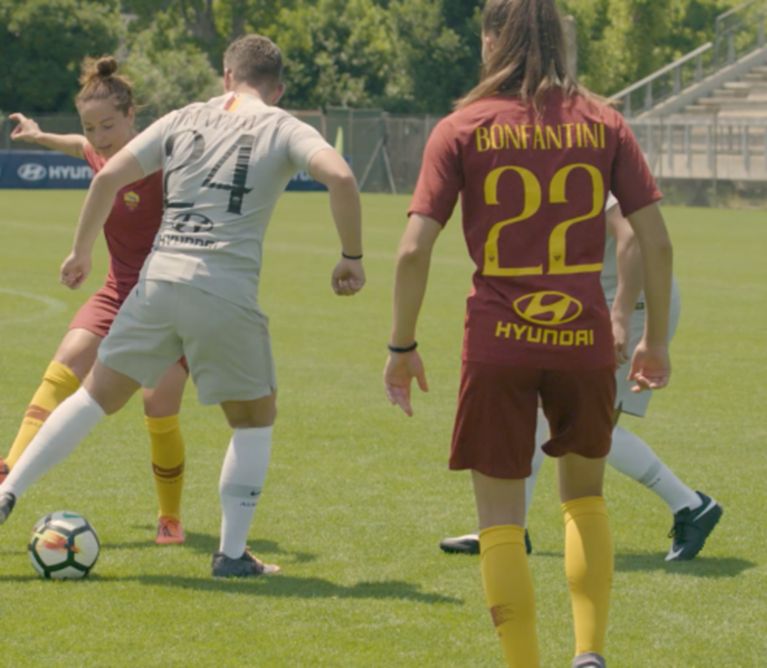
{"x":107,"y":112}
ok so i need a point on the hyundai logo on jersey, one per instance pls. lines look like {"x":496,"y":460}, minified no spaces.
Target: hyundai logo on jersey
{"x":548,"y":307}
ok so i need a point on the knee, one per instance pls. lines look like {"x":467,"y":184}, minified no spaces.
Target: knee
{"x":250,"y":416}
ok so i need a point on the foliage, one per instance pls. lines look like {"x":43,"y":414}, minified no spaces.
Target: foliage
{"x":621,"y":41}
{"x":399,"y":55}
{"x":42,"y":44}
{"x":168,"y":69}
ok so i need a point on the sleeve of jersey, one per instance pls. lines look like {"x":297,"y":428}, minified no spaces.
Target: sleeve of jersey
{"x":147,"y":147}
{"x":632,"y":181}
{"x":91,"y":157}
{"x":441,"y":178}
{"x":303,"y":142}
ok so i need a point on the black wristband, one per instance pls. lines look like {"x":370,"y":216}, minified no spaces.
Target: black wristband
{"x":346,"y":256}
{"x":402,"y":349}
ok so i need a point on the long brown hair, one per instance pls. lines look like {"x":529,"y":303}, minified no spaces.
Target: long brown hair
{"x":99,"y":82}
{"x":529,"y":57}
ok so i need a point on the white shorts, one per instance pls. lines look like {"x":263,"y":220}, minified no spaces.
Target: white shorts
{"x":635,"y":403}
{"x":226,"y":346}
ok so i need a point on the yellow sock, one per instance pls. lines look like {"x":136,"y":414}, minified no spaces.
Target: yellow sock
{"x":167,"y":463}
{"x":509,"y":593}
{"x":59,"y":382}
{"x":589,"y":570}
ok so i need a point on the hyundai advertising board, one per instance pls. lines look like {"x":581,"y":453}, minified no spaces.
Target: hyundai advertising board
{"x":48,"y":169}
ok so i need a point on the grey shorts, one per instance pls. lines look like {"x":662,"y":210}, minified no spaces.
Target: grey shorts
{"x":226,"y":346}
{"x":635,"y":403}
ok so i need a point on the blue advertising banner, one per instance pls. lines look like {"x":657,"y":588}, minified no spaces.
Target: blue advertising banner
{"x":48,"y":169}
{"x":42,"y":169}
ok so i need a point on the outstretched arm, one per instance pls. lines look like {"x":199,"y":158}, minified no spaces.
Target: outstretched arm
{"x":28,"y":130}
{"x":330,"y":169}
{"x":411,"y":276}
{"x":650,"y":366}
{"x":121,"y":170}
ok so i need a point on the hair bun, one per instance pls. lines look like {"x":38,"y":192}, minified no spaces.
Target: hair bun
{"x":106,"y":66}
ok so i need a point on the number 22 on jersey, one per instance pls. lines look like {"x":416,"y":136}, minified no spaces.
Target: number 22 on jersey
{"x":533,"y":197}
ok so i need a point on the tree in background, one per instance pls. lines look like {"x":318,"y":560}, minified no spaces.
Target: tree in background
{"x":167,"y":68}
{"x":42,"y":44}
{"x":437,"y":49}
{"x":622,"y":41}
{"x":409,"y":56}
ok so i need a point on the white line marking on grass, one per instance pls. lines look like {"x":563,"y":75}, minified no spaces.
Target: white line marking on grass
{"x":51,"y":304}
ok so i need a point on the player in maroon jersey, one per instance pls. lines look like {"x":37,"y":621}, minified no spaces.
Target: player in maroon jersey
{"x":107,"y":112}
{"x":532,"y":156}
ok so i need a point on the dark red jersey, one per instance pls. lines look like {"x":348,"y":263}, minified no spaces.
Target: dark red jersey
{"x":132,"y":225}
{"x":533,"y":189}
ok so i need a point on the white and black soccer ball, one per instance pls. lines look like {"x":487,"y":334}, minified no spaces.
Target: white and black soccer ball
{"x":63,"y":546}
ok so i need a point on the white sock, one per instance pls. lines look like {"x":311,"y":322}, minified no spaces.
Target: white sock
{"x":634,"y":458}
{"x":541,"y":436}
{"x":242,"y":477}
{"x":66,"y":426}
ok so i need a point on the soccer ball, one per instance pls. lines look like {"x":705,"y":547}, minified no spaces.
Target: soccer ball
{"x":63,"y":546}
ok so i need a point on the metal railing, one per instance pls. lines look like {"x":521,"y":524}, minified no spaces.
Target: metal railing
{"x":705,"y":150}
{"x":738,"y":32}
{"x":667,"y":81}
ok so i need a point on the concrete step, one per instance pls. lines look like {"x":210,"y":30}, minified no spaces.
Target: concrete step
{"x":742,"y":115}
{"x":755,"y":76}
{"x":756,"y":102}
{"x":761,"y":69}
{"x":737,"y":88}
{"x":715,"y":101}
{"x":699,"y":110}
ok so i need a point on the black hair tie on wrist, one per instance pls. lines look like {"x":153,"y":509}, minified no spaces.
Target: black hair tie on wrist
{"x":346,"y":256}
{"x":402,"y":349}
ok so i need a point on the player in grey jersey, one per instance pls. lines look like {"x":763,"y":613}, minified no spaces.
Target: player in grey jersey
{"x":225,"y":163}
{"x":695,"y":514}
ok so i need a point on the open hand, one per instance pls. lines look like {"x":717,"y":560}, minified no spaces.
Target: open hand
{"x":399,"y":372}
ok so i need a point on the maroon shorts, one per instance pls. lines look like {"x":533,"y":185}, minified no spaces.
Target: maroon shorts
{"x":494,"y":429}
{"x":99,"y":312}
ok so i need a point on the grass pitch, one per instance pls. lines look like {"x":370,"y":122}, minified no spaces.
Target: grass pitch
{"x":358,"y":495}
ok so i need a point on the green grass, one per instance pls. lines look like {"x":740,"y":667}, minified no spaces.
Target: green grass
{"x":358,"y":495}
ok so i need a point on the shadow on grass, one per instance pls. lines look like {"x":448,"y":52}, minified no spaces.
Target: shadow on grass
{"x":208,"y":544}
{"x":287,"y":586}
{"x":700,"y":567}
{"x":277,"y":586}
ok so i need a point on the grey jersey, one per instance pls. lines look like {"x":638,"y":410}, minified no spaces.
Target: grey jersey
{"x":225,"y":163}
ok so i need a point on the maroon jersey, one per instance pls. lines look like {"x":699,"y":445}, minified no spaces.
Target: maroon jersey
{"x":533,"y":190}
{"x":131,"y":226}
